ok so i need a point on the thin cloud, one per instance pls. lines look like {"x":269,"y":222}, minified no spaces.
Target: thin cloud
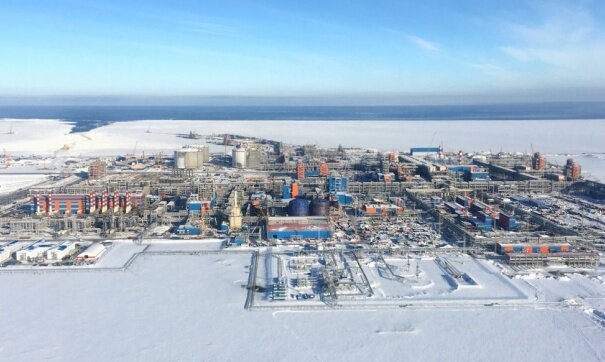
{"x":210,"y":28}
{"x":518,"y":54}
{"x":423,"y":43}
{"x":559,"y":24}
{"x":566,"y":40}
{"x":488,"y":68}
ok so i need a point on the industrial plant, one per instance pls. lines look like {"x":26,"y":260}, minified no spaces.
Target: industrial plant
{"x":323,"y":224}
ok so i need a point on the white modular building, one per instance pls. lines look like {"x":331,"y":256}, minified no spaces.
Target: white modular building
{"x":8,"y":248}
{"x":34,"y":251}
{"x":61,"y":251}
{"x":93,"y":252}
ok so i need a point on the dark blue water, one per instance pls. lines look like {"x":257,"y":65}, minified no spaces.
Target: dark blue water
{"x":88,"y":117}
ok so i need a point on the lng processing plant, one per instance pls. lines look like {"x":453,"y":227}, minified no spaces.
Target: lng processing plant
{"x":325,"y":227}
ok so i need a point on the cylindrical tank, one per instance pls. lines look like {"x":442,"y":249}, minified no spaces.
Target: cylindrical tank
{"x":239,"y":157}
{"x":179,"y":159}
{"x":190,"y":157}
{"x":201,"y":157}
{"x":319,"y":207}
{"x":298,"y":207}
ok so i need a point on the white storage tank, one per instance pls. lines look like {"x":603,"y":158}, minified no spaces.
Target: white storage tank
{"x":203,"y":154}
{"x":179,"y":159}
{"x":239,"y":157}
{"x":191,"y":157}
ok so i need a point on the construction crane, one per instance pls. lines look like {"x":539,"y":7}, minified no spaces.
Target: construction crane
{"x":433,"y":138}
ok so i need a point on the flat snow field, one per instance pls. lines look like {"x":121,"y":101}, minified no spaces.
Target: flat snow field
{"x":191,"y":308}
{"x":11,"y":183}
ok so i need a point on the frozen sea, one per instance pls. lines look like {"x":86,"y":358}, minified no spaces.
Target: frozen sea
{"x":558,"y":139}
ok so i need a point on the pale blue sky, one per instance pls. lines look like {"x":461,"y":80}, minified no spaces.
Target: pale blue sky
{"x":360,"y":50}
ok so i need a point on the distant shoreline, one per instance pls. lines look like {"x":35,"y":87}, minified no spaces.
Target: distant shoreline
{"x":86,"y":118}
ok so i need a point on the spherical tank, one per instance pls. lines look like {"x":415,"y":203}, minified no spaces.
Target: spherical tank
{"x":298,"y":207}
{"x":319,"y":207}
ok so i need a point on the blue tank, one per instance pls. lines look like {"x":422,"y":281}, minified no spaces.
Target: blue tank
{"x":319,"y":207}
{"x":298,"y":207}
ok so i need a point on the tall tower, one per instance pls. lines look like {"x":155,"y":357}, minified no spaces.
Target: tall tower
{"x":116,"y":202}
{"x":128,"y":206}
{"x":538,"y":162}
{"x":572,"y":170}
{"x":103,"y":201}
{"x":324,"y":170}
{"x":92,"y":202}
{"x":235,"y":216}
{"x":51,"y":204}
{"x":385,"y":162}
{"x":300,"y":170}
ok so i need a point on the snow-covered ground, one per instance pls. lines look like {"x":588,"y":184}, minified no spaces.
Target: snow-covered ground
{"x":562,"y":137}
{"x":10,"y":183}
{"x":191,"y":308}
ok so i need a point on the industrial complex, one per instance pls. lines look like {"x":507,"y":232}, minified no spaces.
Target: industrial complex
{"x":325,"y":226}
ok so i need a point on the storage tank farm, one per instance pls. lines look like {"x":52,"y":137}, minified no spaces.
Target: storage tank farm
{"x":191,"y":157}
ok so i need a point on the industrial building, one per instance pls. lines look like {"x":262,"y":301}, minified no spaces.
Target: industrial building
{"x":546,"y":253}
{"x":576,"y":259}
{"x":97,"y":169}
{"x":60,"y":204}
{"x":572,"y":170}
{"x":298,"y":227}
{"x":77,"y":204}
{"x":337,"y":184}
{"x":527,"y":248}
{"x":418,"y":151}
{"x":538,"y":162}
{"x":507,"y":222}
